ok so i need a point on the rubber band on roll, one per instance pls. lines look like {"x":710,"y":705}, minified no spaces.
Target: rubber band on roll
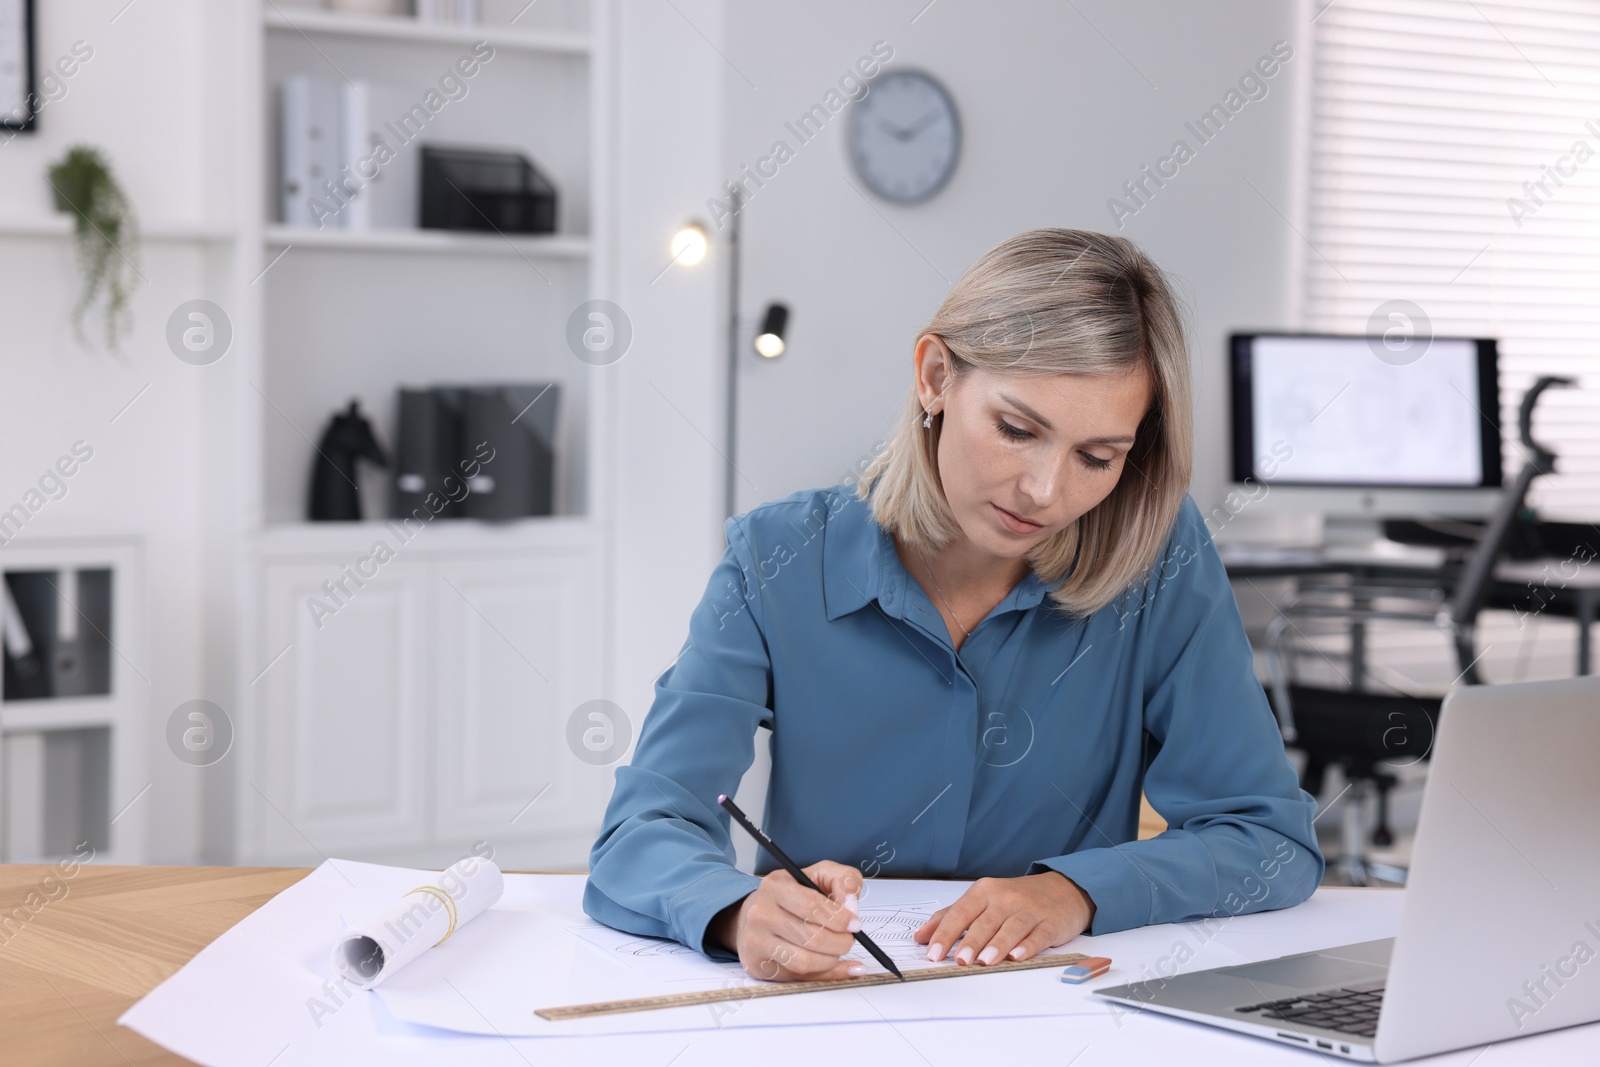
{"x":422,"y":918}
{"x":449,"y":906}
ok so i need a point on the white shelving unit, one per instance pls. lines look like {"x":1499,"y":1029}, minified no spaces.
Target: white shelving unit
{"x":428,"y":709}
{"x":60,"y":225}
{"x":105,"y":776}
{"x":402,"y":28}
{"x":555,"y":246}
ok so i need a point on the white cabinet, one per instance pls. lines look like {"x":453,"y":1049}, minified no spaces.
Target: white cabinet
{"x":404,"y":719}
{"x":340,"y":735}
{"x":512,"y":639}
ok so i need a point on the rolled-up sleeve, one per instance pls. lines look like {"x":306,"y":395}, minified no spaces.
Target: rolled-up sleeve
{"x":663,"y":865}
{"x":1240,"y":836}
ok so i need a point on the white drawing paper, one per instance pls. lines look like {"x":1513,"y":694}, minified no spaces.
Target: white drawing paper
{"x":890,"y":926}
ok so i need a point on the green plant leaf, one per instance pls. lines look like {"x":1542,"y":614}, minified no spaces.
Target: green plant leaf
{"x":105,"y":238}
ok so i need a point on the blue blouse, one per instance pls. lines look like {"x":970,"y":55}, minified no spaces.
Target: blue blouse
{"x":1023,"y":752}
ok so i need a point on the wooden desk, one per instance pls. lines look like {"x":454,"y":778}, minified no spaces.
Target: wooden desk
{"x":70,"y":971}
{"x":82,"y":959}
{"x":119,"y":931}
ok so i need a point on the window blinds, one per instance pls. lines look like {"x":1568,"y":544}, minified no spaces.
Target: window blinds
{"x":1454,"y":162}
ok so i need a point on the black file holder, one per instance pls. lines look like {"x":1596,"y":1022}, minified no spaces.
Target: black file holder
{"x":65,"y":656}
{"x":488,"y":450}
{"x":470,"y":189}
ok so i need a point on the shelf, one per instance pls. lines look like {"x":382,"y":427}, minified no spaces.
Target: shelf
{"x":406,"y":28}
{"x":61,"y":713}
{"x":562,"y":533}
{"x":556,"y":246}
{"x":61,"y":226}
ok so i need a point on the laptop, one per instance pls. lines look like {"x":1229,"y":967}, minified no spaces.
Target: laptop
{"x":1500,"y":931}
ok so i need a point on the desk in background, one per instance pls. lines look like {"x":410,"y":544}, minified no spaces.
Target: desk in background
{"x":1529,"y":587}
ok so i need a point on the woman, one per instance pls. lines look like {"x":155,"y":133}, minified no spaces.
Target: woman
{"x":972,"y":664}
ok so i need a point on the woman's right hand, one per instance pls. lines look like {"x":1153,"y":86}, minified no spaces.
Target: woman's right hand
{"x":784,"y":932}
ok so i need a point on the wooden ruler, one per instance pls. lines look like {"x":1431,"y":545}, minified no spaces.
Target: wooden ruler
{"x":778,"y":989}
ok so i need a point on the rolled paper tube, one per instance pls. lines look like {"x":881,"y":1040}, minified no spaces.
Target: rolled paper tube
{"x":425,"y":916}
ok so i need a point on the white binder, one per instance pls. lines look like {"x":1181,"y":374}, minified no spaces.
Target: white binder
{"x":311,"y":147}
{"x":385,"y":172}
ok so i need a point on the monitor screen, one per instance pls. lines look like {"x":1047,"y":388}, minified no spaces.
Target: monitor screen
{"x":1326,"y":410}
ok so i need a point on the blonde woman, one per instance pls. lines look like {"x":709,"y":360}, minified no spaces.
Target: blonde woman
{"x":972,"y":663}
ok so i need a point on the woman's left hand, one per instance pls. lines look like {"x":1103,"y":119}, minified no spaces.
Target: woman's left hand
{"x":1008,"y":917}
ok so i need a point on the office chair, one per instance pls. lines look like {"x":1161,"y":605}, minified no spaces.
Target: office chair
{"x":1362,"y":731}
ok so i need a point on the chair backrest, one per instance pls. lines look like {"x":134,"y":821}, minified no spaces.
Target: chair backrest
{"x":1472,"y":588}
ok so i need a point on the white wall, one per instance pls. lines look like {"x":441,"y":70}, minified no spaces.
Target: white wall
{"x":140,"y":99}
{"x":1058,"y":109}
{"x":669,"y":398}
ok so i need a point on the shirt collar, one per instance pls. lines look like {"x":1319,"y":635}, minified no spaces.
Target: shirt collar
{"x":860,"y":565}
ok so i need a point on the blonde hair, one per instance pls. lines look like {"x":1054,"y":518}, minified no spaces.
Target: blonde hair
{"x":1059,"y":301}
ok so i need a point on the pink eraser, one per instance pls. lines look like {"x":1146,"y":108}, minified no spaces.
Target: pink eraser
{"x":1093,"y":967}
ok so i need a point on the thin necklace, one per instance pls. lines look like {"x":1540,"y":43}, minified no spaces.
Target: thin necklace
{"x":940,"y":590}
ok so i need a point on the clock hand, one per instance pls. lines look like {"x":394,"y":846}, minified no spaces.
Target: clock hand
{"x":897,"y":132}
{"x":921,"y":124}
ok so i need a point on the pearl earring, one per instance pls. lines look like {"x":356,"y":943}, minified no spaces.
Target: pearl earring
{"x":927,"y":418}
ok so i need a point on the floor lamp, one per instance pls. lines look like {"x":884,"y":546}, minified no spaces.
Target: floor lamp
{"x":769,"y":343}
{"x":731,"y":430}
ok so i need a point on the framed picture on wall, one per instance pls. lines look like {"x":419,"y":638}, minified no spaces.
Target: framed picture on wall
{"x":17,"y":101}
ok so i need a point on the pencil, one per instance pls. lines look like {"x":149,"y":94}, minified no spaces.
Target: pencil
{"x":800,"y":876}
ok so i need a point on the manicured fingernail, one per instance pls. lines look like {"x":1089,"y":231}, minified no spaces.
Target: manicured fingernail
{"x":964,"y":956}
{"x":857,"y":969}
{"x":853,"y":903}
{"x":1017,"y":952}
{"x":855,"y":926}
{"x":935,"y":950}
{"x":989,"y":955}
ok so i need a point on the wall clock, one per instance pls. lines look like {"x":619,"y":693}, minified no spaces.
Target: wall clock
{"x":905,"y":137}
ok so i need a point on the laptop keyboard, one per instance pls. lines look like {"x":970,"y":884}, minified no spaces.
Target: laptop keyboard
{"x":1350,"y":1011}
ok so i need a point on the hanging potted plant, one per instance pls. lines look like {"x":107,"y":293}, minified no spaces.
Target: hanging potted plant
{"x":106,"y":237}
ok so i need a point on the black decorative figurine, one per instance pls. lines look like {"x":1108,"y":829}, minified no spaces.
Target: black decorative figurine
{"x":335,"y":496}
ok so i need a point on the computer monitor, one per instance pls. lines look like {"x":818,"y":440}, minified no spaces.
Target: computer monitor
{"x":1349,"y":427}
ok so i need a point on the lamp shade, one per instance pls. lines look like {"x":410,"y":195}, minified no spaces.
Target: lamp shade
{"x":769,"y":339}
